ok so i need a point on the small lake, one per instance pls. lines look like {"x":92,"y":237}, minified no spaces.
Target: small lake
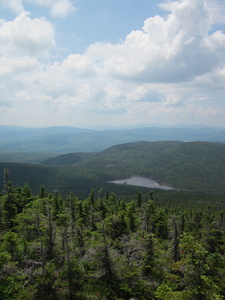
{"x":142,"y":181}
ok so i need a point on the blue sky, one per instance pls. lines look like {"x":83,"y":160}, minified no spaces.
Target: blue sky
{"x":92,"y":63}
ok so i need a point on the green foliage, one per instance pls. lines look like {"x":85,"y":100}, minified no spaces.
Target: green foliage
{"x":164,"y":292}
{"x":192,"y":166}
{"x":55,"y":247}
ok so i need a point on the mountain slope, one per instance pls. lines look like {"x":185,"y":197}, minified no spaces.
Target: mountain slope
{"x":66,"y":159}
{"x":192,"y":166}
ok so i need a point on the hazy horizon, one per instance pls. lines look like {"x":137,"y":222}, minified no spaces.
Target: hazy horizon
{"x":115,"y":127}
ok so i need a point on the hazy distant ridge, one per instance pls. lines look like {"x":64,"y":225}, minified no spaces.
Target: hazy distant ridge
{"x":70,"y":139}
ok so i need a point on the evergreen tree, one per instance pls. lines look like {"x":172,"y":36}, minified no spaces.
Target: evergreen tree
{"x":149,"y":257}
{"x":176,"y":255}
{"x":139,"y":198}
{"x":131,"y":217}
{"x":9,"y":203}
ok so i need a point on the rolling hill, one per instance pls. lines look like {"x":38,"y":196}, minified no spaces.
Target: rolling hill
{"x":190,"y":166}
{"x":18,"y":144}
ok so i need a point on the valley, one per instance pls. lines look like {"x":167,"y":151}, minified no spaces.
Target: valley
{"x":185,"y":166}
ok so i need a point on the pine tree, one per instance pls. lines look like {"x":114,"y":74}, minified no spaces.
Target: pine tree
{"x":139,"y":198}
{"x":149,"y":257}
{"x":9,"y":205}
{"x":175,"y":249}
{"x":131,"y":217}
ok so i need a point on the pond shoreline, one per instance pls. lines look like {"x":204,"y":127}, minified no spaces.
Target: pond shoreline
{"x":142,"y":182}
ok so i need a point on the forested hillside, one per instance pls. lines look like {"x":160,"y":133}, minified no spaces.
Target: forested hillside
{"x":193,"y":166}
{"x":103,"y":247}
{"x":67,"y":233}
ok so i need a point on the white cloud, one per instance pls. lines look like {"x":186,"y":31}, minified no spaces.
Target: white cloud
{"x":13,"y":5}
{"x":79,"y":65}
{"x":58,"y":8}
{"x":216,"y":9}
{"x":62,"y":8}
{"x":17,"y":66}
{"x":26,"y":37}
{"x":170,"y":70}
{"x":175,"y":48}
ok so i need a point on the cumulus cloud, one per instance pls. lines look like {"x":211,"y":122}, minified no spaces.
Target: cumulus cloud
{"x":26,"y":37}
{"x":58,"y":8}
{"x":216,"y":9}
{"x":13,"y":5}
{"x":170,"y":49}
{"x":62,"y":8}
{"x":149,"y":75}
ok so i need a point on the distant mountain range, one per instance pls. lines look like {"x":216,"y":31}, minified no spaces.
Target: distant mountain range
{"x":59,"y":140}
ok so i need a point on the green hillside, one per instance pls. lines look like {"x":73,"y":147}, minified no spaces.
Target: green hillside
{"x":197,"y":166}
{"x":66,"y":159}
{"x":193,"y":166}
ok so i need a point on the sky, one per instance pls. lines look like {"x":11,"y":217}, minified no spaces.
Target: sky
{"x":104,"y":63}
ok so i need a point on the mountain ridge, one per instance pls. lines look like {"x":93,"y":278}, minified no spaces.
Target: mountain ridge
{"x":62,"y":140}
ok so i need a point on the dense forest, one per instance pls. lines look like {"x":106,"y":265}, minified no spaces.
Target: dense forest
{"x":104,"y":246}
{"x":191,"y":166}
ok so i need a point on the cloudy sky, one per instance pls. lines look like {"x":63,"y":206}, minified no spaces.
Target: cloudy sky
{"x":91,"y":63}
